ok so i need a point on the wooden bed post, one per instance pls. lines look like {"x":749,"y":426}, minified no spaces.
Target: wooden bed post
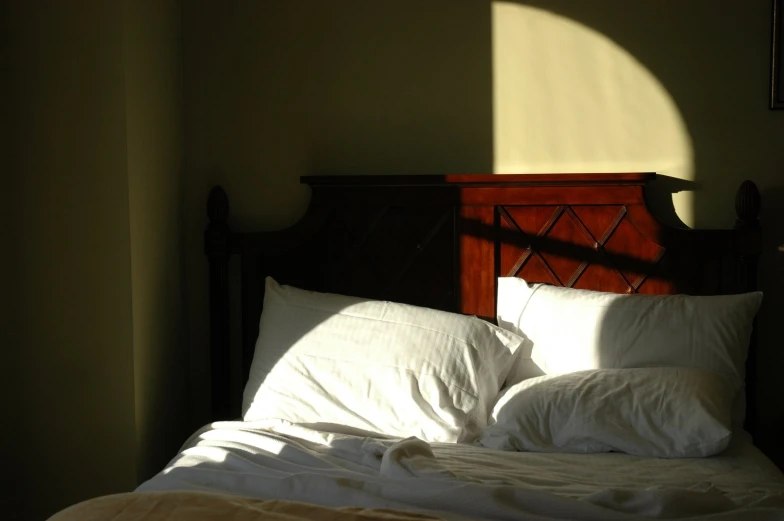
{"x":217,"y":246}
{"x":747,"y":207}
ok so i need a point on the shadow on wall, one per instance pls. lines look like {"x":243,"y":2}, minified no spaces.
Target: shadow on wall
{"x":294,"y":88}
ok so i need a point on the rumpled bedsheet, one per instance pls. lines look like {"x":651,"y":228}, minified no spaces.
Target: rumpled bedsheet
{"x":408,"y":477}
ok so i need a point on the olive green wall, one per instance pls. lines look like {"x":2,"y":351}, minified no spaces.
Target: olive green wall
{"x":278,"y":89}
{"x":76,"y":429}
{"x":152,"y":100}
{"x":93,"y":148}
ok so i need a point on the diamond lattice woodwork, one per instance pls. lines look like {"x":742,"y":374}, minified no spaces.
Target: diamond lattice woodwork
{"x":588,"y":247}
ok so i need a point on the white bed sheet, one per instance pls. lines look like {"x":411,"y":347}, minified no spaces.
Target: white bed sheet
{"x":277,"y":460}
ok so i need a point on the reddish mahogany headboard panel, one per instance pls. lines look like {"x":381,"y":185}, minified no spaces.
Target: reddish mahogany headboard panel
{"x":441,"y":241}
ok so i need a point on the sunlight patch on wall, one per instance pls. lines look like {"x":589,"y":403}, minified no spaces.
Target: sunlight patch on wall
{"x":568,"y":99}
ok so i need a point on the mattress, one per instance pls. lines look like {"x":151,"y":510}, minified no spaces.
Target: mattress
{"x":277,"y":460}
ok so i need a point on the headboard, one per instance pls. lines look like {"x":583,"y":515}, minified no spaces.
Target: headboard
{"x":441,"y":242}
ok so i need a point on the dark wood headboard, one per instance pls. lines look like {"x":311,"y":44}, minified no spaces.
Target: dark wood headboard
{"x":441,"y":242}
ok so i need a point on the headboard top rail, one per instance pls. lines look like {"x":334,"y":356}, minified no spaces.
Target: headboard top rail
{"x":475,"y":180}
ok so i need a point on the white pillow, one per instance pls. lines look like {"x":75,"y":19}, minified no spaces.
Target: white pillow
{"x":570,"y":330}
{"x":662,"y":412}
{"x":377,"y":366}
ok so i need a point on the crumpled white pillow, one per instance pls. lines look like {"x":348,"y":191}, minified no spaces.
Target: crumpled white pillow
{"x":376,"y":366}
{"x":570,"y":330}
{"x":664,"y":412}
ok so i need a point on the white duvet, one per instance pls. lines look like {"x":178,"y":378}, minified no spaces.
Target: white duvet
{"x":276,"y":460}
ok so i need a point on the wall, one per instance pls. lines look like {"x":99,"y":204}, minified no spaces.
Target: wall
{"x":278,"y":89}
{"x":153,"y":120}
{"x":93,"y":153}
{"x":75,"y":358}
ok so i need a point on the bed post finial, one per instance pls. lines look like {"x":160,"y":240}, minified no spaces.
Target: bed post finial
{"x":217,"y":246}
{"x":747,"y":205}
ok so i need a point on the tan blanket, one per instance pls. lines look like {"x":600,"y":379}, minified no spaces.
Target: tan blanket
{"x":203,"y":506}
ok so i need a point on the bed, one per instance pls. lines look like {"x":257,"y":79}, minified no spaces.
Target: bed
{"x":464,"y":245}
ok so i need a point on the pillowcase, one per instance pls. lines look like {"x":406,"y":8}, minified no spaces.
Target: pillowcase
{"x":570,"y":330}
{"x":376,"y":366}
{"x":662,"y":412}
